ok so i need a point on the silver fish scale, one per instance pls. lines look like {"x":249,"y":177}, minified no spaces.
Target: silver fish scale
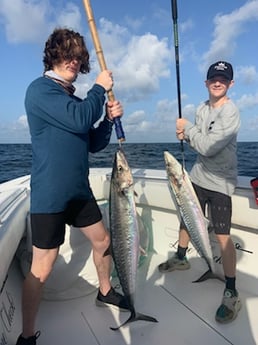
{"x":189,"y":207}
{"x":194,"y":219}
{"x":124,"y":238}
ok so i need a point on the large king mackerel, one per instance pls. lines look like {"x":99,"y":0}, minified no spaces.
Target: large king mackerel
{"x":185,"y":198}
{"x":124,"y":232}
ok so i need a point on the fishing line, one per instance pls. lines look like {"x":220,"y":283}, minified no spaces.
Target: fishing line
{"x":100,"y":55}
{"x":176,"y":46}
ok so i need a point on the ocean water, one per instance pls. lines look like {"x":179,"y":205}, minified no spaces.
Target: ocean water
{"x":15,"y":159}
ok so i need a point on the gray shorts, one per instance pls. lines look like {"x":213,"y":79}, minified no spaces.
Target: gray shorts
{"x":217,"y":207}
{"x":48,"y":229}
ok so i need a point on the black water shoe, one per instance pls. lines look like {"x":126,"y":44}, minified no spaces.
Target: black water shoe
{"x":28,"y":341}
{"x":112,"y":299}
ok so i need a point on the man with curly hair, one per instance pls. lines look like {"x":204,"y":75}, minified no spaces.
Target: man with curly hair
{"x":62,"y":135}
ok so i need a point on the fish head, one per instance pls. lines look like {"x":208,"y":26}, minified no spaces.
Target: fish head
{"x":175,"y":171}
{"x":121,"y":173}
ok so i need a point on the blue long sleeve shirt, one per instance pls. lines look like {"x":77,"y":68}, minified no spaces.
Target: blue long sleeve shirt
{"x":62,"y":135}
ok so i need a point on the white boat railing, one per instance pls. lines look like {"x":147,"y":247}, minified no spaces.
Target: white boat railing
{"x":6,"y":203}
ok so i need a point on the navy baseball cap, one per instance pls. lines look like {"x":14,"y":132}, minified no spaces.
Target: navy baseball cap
{"x":220,"y":68}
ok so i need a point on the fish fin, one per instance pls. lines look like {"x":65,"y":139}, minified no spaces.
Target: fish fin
{"x":135,"y":317}
{"x":207,"y":221}
{"x":143,"y":252}
{"x":208,"y":275}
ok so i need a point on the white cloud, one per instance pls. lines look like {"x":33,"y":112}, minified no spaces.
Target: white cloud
{"x":16,"y":131}
{"x":138,"y":126}
{"x":227,"y":29}
{"x":162,"y":16}
{"x":189,"y":111}
{"x":82,"y":85}
{"x":247,"y":73}
{"x":144,"y":63}
{"x":167,"y":110}
{"x":156,"y":127}
{"x":135,"y":118}
{"x":187,"y":25}
{"x":247,"y":101}
{"x":70,"y":17}
{"x":138,"y":63}
{"x":22,"y":122}
{"x":33,"y":20}
{"x":253,"y":124}
{"x":134,"y":23}
{"x":24,"y":21}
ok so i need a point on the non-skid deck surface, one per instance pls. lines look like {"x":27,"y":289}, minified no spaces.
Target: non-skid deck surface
{"x":185,"y":312}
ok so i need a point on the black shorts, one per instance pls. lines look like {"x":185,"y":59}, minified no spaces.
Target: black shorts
{"x":217,"y":207}
{"x":48,"y":229}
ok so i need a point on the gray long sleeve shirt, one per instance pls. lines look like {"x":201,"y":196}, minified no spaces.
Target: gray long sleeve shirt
{"x":214,"y":138}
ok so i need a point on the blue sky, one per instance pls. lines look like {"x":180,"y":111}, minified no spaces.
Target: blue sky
{"x":137,"y":40}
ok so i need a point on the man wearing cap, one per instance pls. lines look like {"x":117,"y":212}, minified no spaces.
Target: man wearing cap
{"x":214,"y":176}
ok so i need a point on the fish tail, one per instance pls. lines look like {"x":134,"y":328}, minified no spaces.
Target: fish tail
{"x":208,"y":275}
{"x":135,"y":317}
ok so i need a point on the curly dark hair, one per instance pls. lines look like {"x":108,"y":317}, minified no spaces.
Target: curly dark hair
{"x":65,"y":44}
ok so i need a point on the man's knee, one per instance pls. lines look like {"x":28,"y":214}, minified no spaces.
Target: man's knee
{"x":224,"y":240}
{"x":43,"y":261}
{"x":104,"y":243}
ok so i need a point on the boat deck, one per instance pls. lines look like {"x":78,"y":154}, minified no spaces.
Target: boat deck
{"x":185,"y":312}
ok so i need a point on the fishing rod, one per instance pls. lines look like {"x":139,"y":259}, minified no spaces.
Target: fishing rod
{"x":100,"y":55}
{"x":176,"y":45}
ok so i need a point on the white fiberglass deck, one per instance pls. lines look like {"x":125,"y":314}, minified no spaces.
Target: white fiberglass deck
{"x":185,"y":312}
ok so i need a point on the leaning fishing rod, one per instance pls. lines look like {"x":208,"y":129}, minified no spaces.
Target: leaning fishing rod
{"x":100,"y":55}
{"x":176,"y":45}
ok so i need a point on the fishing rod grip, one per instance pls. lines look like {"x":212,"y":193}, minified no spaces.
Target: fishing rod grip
{"x":117,"y":122}
{"x":100,"y":55}
{"x":174,"y":9}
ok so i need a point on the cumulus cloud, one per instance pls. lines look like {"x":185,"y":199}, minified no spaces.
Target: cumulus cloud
{"x":24,"y":21}
{"x":166,"y":111}
{"x":150,"y":127}
{"x":135,"y":118}
{"x":227,"y":28}
{"x":134,"y":23}
{"x":70,"y":17}
{"x":187,"y":25}
{"x":158,"y":126}
{"x":138,"y":62}
{"x":247,"y":101}
{"x":29,"y":20}
{"x":142,"y":67}
{"x":16,"y":131}
{"x":22,"y":122}
{"x":253,"y":125}
{"x":247,"y":73}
